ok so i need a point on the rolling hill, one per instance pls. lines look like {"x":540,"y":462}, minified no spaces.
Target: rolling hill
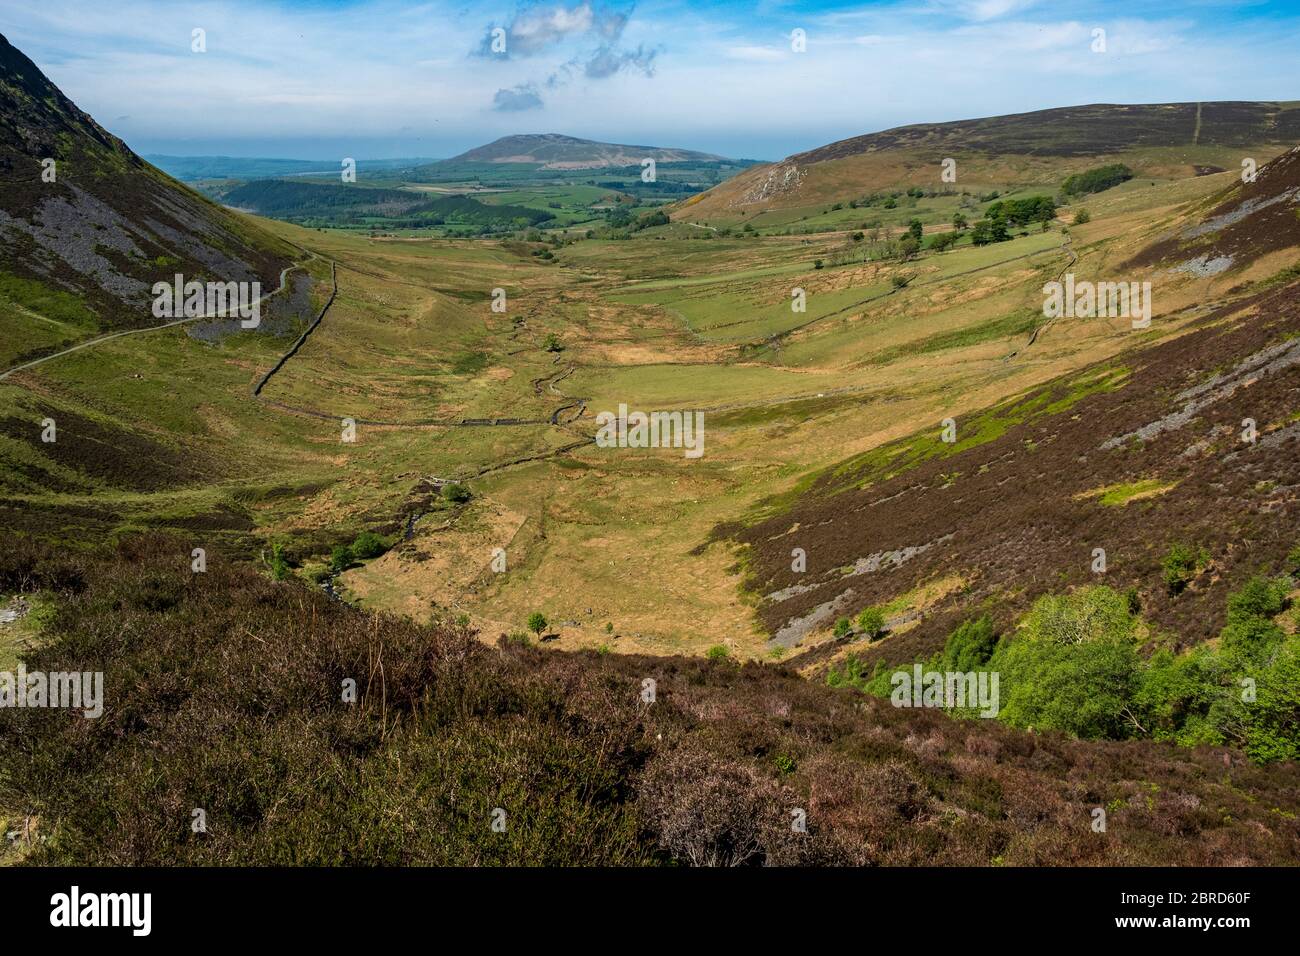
{"x":555,"y":151}
{"x":1164,"y":141}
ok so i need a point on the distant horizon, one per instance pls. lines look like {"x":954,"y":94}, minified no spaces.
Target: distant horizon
{"x":747,"y":81}
{"x":332,"y":154}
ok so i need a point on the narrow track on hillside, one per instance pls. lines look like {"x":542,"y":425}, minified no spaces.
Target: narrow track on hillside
{"x":153,"y":328}
{"x":1068,"y":248}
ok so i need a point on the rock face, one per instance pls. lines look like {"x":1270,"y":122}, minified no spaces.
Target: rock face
{"x":83,"y":215}
{"x":775,"y":181}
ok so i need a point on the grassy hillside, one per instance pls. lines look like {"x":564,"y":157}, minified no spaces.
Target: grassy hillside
{"x":1039,"y":149}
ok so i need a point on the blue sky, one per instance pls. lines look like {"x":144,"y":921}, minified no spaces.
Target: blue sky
{"x":323,"y":79}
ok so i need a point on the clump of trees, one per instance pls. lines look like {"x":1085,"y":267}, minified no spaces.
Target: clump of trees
{"x":365,"y":546}
{"x":1020,"y":212}
{"x":1074,"y":665}
{"x":987,"y":231}
{"x":1096,"y":180}
{"x":1002,"y":215}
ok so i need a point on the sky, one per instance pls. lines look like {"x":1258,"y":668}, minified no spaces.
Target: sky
{"x":374,"y":79}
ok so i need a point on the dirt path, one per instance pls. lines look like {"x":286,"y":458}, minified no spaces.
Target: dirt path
{"x":284,"y":273}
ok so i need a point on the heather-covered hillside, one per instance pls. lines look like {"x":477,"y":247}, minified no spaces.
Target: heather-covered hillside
{"x":225,"y":691}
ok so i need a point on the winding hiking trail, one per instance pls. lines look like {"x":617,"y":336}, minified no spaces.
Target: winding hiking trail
{"x":284,"y":273}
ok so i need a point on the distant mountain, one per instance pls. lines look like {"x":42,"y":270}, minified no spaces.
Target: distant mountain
{"x":1167,"y":140}
{"x":108,"y":225}
{"x":192,"y":168}
{"x":554,"y":151}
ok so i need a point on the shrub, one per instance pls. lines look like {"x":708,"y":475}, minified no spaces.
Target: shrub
{"x":1073,"y":665}
{"x":1293,"y":562}
{"x":1250,"y":630}
{"x":1273,"y":718}
{"x":1088,"y":614}
{"x":340,"y":558}
{"x":709,"y":811}
{"x":1180,"y":565}
{"x":455,"y":492}
{"x":368,"y":545}
{"x":969,"y":647}
{"x":279,"y":566}
{"x":1259,"y":597}
{"x":871,"y":622}
{"x":842,"y":627}
{"x":537,"y":622}
{"x":717,"y":652}
{"x":1082,"y":217}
